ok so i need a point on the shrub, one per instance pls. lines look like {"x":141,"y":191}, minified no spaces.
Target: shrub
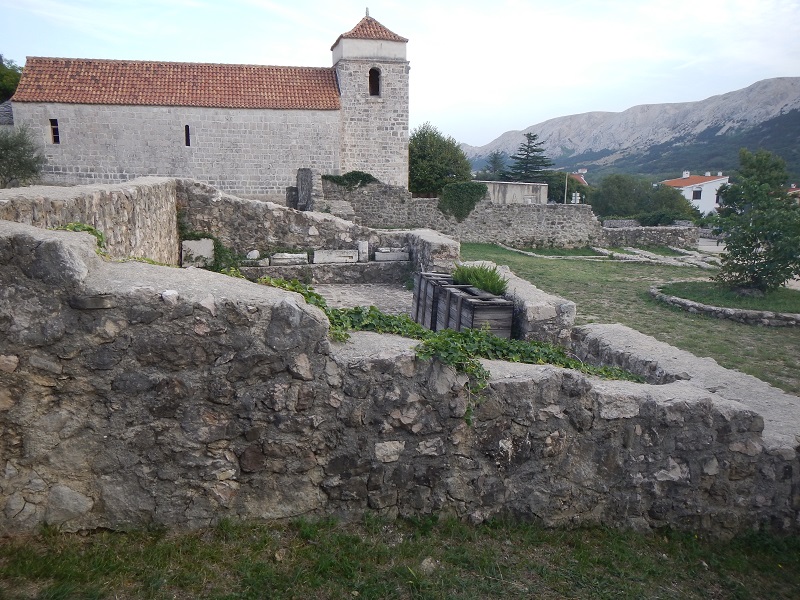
{"x":482,"y":277}
{"x":351,"y":180}
{"x":459,"y":199}
{"x":20,"y":158}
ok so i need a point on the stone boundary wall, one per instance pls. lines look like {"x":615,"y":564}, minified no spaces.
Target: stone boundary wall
{"x":617,"y":223}
{"x":137,"y":218}
{"x":682,"y":237}
{"x":748,"y":317}
{"x":134,"y":395}
{"x":560,"y":225}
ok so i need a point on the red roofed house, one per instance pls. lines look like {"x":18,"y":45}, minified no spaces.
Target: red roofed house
{"x":245,"y":129}
{"x":701,"y":190}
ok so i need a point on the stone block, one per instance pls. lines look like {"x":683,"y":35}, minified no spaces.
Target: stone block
{"x":197,"y":253}
{"x":335,"y":256}
{"x":282,"y":259}
{"x":363,"y":252}
{"x":390,"y":256}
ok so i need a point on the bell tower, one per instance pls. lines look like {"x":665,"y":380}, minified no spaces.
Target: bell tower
{"x":372,"y":74}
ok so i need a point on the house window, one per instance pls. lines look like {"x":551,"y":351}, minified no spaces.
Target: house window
{"x":187,"y":136}
{"x":54,"y":131}
{"x":697,"y":193}
{"x":374,"y":82}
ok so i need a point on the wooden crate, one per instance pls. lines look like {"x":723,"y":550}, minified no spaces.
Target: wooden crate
{"x":426,"y":297}
{"x":465,"y":307}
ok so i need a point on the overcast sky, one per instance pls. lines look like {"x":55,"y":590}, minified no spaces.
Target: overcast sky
{"x":478,"y":68}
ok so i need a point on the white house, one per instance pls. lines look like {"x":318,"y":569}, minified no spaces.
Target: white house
{"x":246,"y":129}
{"x":701,"y":190}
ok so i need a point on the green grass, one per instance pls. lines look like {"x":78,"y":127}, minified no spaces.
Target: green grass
{"x":661,"y":250}
{"x":714,"y":294}
{"x":617,"y":292}
{"x":563,"y":251}
{"x":421,"y":558}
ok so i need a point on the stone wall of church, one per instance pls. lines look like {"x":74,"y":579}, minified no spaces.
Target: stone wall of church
{"x":374,"y":129}
{"x":251,"y":153}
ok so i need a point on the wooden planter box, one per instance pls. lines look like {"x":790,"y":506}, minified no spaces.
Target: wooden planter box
{"x":465,"y":307}
{"x":426,"y":297}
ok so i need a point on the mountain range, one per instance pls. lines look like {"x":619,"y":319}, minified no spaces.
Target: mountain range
{"x":663,"y":140}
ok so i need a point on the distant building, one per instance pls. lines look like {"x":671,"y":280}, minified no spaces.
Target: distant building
{"x":245,"y":129}
{"x":701,"y":190}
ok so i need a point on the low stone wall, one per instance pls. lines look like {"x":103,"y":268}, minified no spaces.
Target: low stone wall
{"x":682,"y":237}
{"x":245,"y":225}
{"x":134,"y":395}
{"x":137,"y":218}
{"x":748,"y":317}
{"x":371,"y":272}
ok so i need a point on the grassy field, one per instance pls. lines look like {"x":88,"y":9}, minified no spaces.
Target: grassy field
{"x":617,"y":292}
{"x":425,"y":559}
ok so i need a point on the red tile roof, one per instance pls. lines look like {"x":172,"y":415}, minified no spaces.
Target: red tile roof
{"x":692,"y":180}
{"x":369,"y":29}
{"x":151,"y":83}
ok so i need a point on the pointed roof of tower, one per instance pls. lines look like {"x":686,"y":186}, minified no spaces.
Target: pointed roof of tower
{"x":369,"y":29}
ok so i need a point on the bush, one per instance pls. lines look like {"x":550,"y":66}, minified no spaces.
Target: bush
{"x":459,"y":199}
{"x":434,"y":160}
{"x":351,"y":180}
{"x":659,"y":217}
{"x":20,"y":158}
{"x":482,"y":277}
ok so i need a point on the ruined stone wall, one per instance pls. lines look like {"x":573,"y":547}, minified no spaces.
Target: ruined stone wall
{"x":252,"y":153}
{"x":137,"y":218}
{"x":682,"y":237}
{"x":134,"y":395}
{"x":561,"y":225}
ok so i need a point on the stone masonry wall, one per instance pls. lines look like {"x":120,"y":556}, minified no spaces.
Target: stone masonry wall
{"x":561,"y":225}
{"x":134,"y":395}
{"x":252,"y":153}
{"x":374,"y":129}
{"x":137,"y":218}
{"x":682,"y":237}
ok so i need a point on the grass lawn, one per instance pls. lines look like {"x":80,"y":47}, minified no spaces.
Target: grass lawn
{"x":708,"y":292}
{"x":563,"y":251}
{"x":617,"y":292}
{"x":423,"y":558}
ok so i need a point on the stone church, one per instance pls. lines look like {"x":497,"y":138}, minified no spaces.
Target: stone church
{"x":245,"y":129}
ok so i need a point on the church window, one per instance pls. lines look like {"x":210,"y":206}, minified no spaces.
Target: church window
{"x":187,"y":135}
{"x":54,"y":131}
{"x":374,"y":82}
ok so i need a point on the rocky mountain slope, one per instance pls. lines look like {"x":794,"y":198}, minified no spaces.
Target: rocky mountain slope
{"x":661,"y":138}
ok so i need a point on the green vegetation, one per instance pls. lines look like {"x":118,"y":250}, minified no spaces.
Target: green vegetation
{"x":351,"y":180}
{"x":422,"y":558}
{"x":761,"y":224}
{"x":627,"y":196}
{"x":617,"y":292}
{"x":225,"y":259}
{"x":461,"y":350}
{"x":713,"y":294}
{"x":529,"y":164}
{"x":21,"y":159}
{"x":494,"y":166}
{"x":459,"y":199}
{"x":434,"y":160}
{"x":10,"y":74}
{"x":98,"y":235}
{"x":662,"y":250}
{"x":564,"y":251}
{"x":482,"y":277}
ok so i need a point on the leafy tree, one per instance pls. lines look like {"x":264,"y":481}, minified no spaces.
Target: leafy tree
{"x":628,"y":196}
{"x":555,"y":187}
{"x":530,"y":164}
{"x":761,"y":224}
{"x":9,"y":78}
{"x":20,"y":158}
{"x":434,"y":160}
{"x":495,"y":165}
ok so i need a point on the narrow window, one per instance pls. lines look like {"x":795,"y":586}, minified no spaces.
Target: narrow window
{"x":54,"y":131}
{"x":187,"y":135}
{"x":374,"y":82}
{"x":697,"y":194}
